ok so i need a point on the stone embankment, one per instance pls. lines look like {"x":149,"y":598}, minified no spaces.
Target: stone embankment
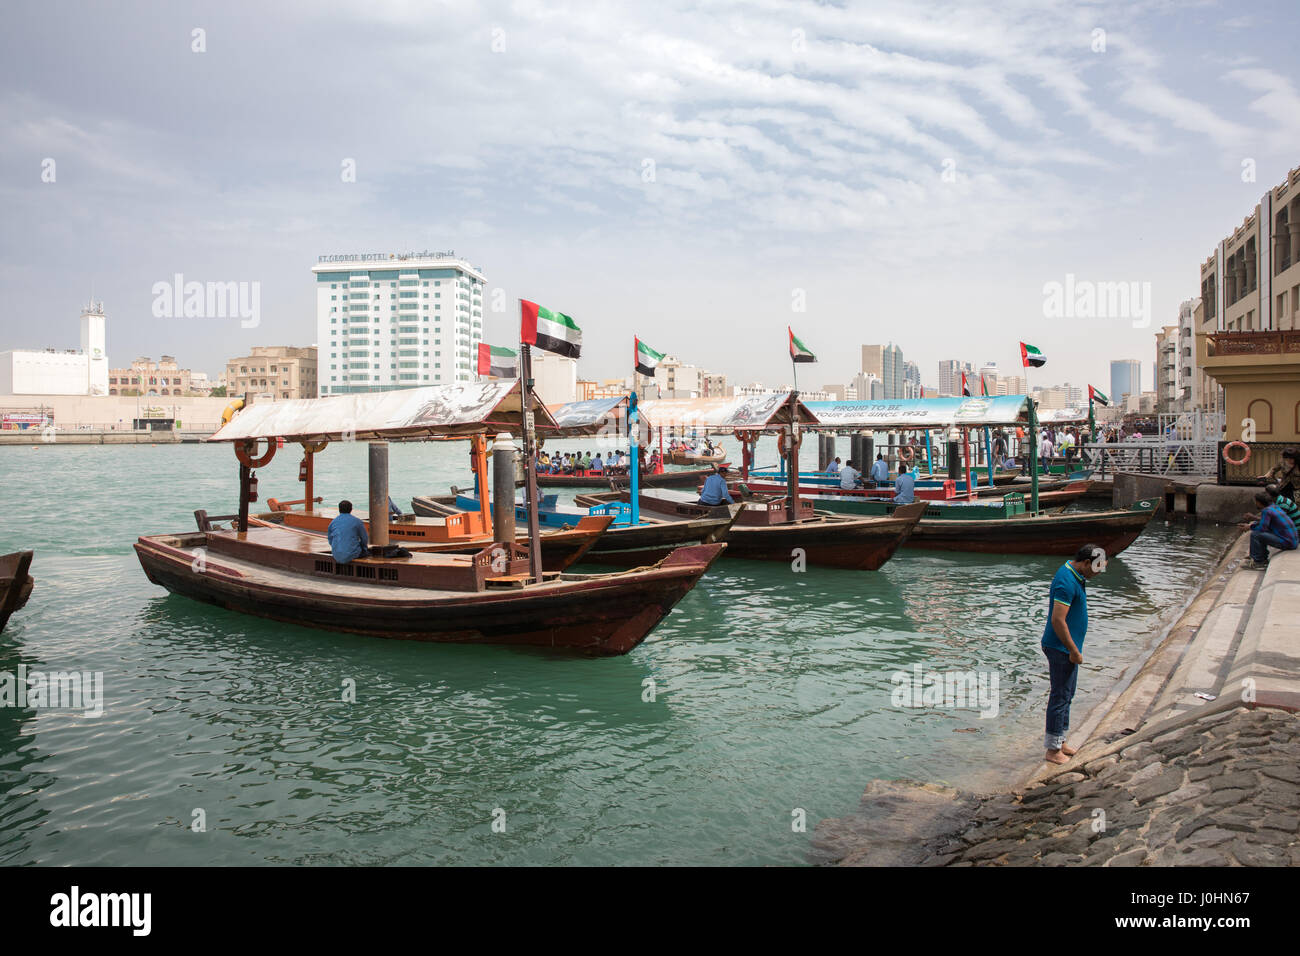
{"x":1195,"y":762}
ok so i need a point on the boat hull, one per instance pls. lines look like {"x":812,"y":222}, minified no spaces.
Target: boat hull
{"x":606,"y":614}
{"x":15,"y":583}
{"x":858,"y":544}
{"x":1064,"y":534}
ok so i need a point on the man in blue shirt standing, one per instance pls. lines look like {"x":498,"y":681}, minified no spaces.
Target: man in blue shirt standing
{"x":1067,"y":625}
{"x":347,"y":535}
{"x":1273,"y":529}
{"x":715,"y":488}
{"x":904,"y":488}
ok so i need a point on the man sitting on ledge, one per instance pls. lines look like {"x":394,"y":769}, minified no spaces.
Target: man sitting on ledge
{"x":347,"y":535}
{"x":1273,"y":529}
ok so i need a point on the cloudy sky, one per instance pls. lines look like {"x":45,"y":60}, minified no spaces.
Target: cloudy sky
{"x":702,"y":175}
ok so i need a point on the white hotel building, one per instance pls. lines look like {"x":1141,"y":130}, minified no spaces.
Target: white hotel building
{"x":386,"y":321}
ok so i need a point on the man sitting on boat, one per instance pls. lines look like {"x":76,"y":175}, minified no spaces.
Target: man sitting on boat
{"x":347,"y":535}
{"x":715,"y":489}
{"x":879,"y":470}
{"x":833,"y":468}
{"x":904,"y":488}
{"x":850,"y":477}
{"x":597,"y":465}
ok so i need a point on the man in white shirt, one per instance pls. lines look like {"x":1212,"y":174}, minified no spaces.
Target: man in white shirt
{"x":1046,"y":449}
{"x":850,"y":477}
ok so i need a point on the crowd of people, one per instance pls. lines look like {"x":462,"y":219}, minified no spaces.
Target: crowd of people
{"x":582,"y":463}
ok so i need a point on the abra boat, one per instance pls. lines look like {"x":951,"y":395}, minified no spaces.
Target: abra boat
{"x":624,"y":543}
{"x":15,"y":583}
{"x":500,"y":595}
{"x":460,"y":534}
{"x":680,"y":457}
{"x":764,"y":531}
{"x":687,"y":478}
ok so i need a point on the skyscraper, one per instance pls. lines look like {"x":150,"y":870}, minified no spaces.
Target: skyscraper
{"x":950,"y":376}
{"x":1125,"y":378}
{"x":892,"y":372}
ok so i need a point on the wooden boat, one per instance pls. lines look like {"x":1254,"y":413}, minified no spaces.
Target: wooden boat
{"x":499,"y":595}
{"x":1042,"y":533}
{"x":829,"y":498}
{"x":561,"y":547}
{"x":289,"y":576}
{"x":667,"y":479}
{"x":15,"y":583}
{"x":763,"y":530}
{"x":680,"y":457}
{"x":623,"y":544}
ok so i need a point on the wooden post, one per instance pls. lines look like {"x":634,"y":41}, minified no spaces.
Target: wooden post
{"x":634,"y":443}
{"x":311,"y":479}
{"x":530,"y":481}
{"x":244,"y":472}
{"x":970,"y":486}
{"x":792,"y":478}
{"x":478,"y":456}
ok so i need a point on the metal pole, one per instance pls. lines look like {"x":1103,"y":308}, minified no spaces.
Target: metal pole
{"x":792,"y":479}
{"x":378,"y":496}
{"x":634,"y":439}
{"x":530,"y":483}
{"x":988,"y":451}
{"x":1033,"y":457}
{"x":503,"y":489}
{"x":929,"y":454}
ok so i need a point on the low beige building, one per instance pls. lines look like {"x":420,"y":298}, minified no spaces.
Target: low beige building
{"x":280,"y":371}
{"x":147,"y":377}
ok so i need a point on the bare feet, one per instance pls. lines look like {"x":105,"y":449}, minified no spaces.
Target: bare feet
{"x":1068,"y":751}
{"x":1056,"y":756}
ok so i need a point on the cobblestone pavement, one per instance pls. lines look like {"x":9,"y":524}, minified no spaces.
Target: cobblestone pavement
{"x":1221,"y":790}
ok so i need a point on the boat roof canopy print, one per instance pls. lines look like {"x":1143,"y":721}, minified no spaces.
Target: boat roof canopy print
{"x":723,"y":414}
{"x":923,"y":412}
{"x":1062,"y":416}
{"x":464,"y":409}
{"x":589,"y":417}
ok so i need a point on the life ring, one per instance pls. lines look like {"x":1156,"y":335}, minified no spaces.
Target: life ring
{"x":231,"y":410}
{"x":782,"y":440}
{"x":244,"y":452}
{"x":314,"y":447}
{"x":743,"y":437}
{"x":1236,"y":461}
{"x":909,"y":453}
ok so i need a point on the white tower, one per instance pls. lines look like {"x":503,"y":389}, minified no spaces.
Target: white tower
{"x":94,"y":347}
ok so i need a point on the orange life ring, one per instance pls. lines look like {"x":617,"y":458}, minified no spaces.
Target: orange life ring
{"x":743,"y":437}
{"x":782,"y":440}
{"x":910,"y":454}
{"x":244,"y":452}
{"x":1235,"y":461}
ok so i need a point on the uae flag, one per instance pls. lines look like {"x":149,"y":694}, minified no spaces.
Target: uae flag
{"x":798,"y":351}
{"x":1101,"y":398}
{"x":549,"y":331}
{"x":984,"y":387}
{"x":503,"y":363}
{"x":965,"y":388}
{"x":1031,"y":356}
{"x":647,"y":359}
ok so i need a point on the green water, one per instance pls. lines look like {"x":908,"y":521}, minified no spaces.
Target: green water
{"x":773,"y":694}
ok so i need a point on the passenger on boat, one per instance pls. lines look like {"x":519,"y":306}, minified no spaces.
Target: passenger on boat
{"x":904,"y":486}
{"x":596,"y":464}
{"x":347,"y":535}
{"x":715,"y":488}
{"x":833,"y":468}
{"x":850,"y":477}
{"x":879,"y":470}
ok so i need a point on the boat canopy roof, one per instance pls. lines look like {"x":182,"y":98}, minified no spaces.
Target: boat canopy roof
{"x":922,"y":412}
{"x":434,"y":410}
{"x":723,"y":414}
{"x":587,"y":418}
{"x":1062,"y":416}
